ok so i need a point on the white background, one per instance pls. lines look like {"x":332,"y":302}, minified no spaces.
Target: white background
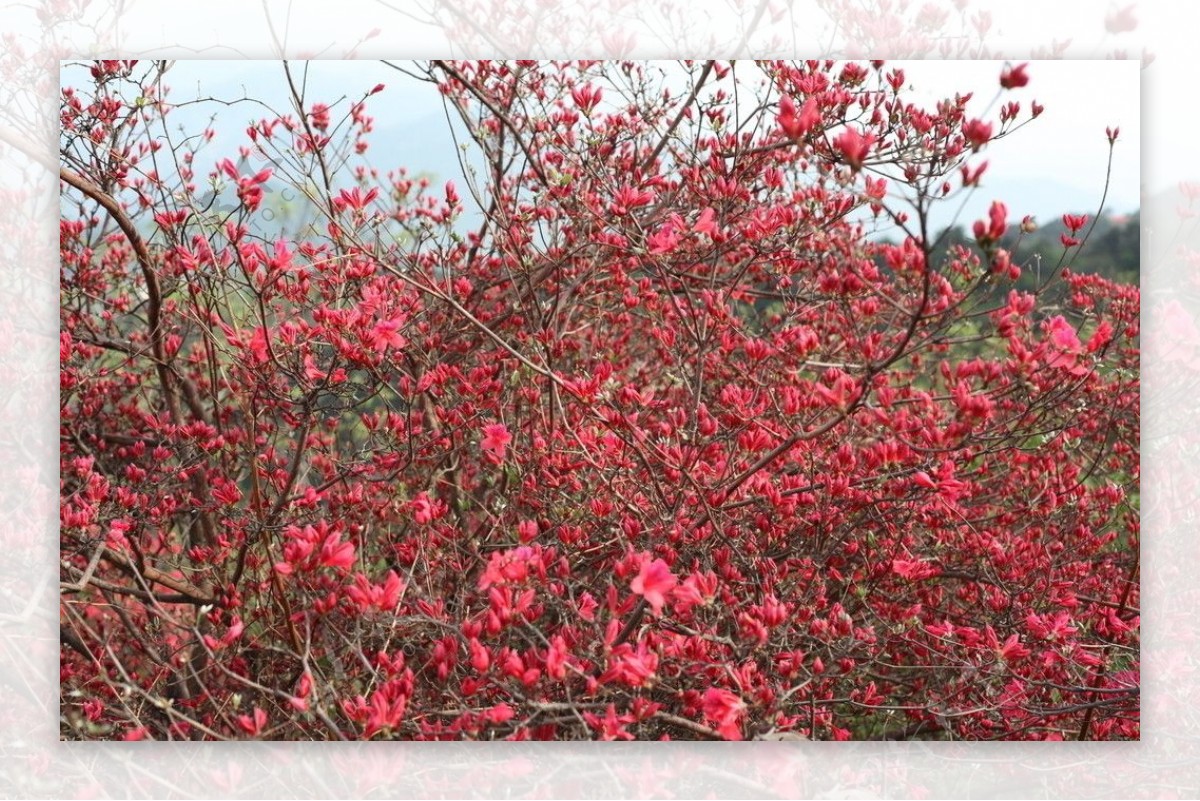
{"x":33,"y":764}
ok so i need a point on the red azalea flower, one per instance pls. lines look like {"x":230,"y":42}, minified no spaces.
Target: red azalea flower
{"x":724,"y":709}
{"x":495,"y":440}
{"x":653,"y":583}
{"x":1014,"y":77}
{"x":794,"y":124}
{"x":854,"y":146}
{"x":978,"y":133}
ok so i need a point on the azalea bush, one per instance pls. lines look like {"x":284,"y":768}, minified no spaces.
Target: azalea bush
{"x":659,"y":422}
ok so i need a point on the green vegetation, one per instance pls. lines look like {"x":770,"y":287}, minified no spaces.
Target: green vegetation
{"x":1112,"y":249}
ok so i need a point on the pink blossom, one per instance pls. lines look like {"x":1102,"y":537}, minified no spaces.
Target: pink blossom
{"x":994,"y":229}
{"x":611,"y":726}
{"x":797,"y":125}
{"x":335,"y":553}
{"x":1065,"y":346}
{"x":587,"y":605}
{"x":724,"y":709}
{"x":236,"y":627}
{"x":495,"y":439}
{"x":512,"y":566}
{"x":1063,"y":335}
{"x":854,"y":146}
{"x":1014,"y":77}
{"x":687,"y":595}
{"x":527,"y":531}
{"x":632,"y":667}
{"x":663,"y":241}
{"x":422,"y":508}
{"x":1074,"y":221}
{"x":259,"y":348}
{"x":386,"y":334}
{"x":500,"y":713}
{"x":1012,"y":649}
{"x":586,"y":97}
{"x":253,"y":725}
{"x":977,"y":133}
{"x":319,"y":116}
{"x":914,"y":569}
{"x":706,"y":223}
{"x":383,"y":597}
{"x":653,"y":582}
{"x":556,"y":658}
{"x":355,"y":198}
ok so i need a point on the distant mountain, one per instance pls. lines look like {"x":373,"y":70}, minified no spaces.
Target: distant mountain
{"x":1044,"y":199}
{"x":1110,"y":246}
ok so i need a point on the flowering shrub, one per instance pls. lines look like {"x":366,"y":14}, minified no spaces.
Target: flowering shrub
{"x":660,"y":444}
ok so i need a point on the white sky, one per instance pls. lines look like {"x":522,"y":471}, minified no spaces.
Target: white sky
{"x":1065,"y":145}
{"x":1054,"y":165}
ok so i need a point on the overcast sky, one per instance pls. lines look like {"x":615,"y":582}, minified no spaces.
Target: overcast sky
{"x":1054,"y":165}
{"x":1064,"y":152}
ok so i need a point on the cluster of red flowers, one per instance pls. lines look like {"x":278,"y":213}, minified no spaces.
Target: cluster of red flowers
{"x":657,"y":444}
